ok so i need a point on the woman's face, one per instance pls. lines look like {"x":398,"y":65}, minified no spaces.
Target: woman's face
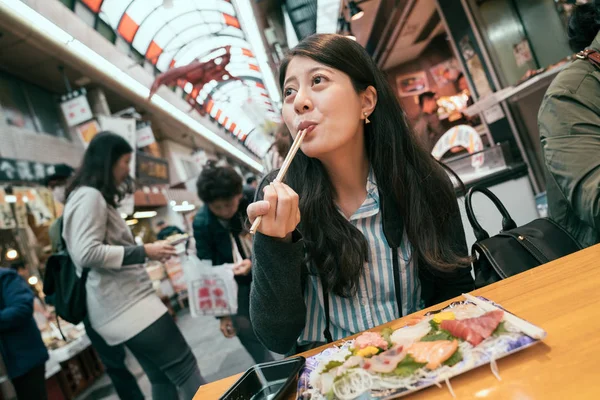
{"x":316,"y":94}
{"x":121,"y":168}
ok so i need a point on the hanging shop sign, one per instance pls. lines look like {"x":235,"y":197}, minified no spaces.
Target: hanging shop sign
{"x":464,"y":136}
{"x":412,"y":84}
{"x":144,"y":135}
{"x":87,"y":131}
{"x":76,"y":108}
{"x":445,"y":72}
{"x":522,"y":53}
{"x":7,"y":220}
{"x":151,"y":170}
{"x":24,"y":171}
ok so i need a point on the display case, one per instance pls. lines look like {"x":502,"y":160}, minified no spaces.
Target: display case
{"x":471,"y":168}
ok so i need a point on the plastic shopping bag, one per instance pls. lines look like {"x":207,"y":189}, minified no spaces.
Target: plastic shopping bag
{"x":211,"y":290}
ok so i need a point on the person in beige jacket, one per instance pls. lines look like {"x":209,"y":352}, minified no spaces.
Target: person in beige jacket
{"x":122,"y":306}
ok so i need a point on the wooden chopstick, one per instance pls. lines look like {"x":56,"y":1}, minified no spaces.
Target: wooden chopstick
{"x":283,"y":171}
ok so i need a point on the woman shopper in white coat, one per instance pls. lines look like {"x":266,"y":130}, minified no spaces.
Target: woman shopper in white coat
{"x":122,"y":305}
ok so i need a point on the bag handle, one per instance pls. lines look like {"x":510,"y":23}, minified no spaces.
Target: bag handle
{"x":507,"y":222}
{"x":591,"y":55}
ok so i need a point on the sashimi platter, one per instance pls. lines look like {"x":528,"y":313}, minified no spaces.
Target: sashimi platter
{"x":421,"y":352}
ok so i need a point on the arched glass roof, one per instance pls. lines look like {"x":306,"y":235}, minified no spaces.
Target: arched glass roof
{"x":197,"y":30}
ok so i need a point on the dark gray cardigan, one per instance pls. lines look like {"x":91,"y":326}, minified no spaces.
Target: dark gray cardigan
{"x":277,"y":306}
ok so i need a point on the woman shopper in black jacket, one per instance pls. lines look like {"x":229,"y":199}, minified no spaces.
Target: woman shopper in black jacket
{"x":367,"y":226}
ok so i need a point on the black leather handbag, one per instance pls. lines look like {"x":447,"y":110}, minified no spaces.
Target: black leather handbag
{"x":514,"y":249}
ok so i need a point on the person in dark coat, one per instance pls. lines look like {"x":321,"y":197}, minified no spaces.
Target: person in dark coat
{"x":218,"y":231}
{"x":21,"y":345}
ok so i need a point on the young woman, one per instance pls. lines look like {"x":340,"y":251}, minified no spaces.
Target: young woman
{"x":121,"y":303}
{"x":366,"y":227}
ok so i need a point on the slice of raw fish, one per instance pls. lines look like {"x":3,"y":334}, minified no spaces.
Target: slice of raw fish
{"x":385,"y":362}
{"x":409,"y":334}
{"x":433,"y":353}
{"x":474,"y":330}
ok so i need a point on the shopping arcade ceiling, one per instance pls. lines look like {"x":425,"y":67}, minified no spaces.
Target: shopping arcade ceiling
{"x":188,"y":31}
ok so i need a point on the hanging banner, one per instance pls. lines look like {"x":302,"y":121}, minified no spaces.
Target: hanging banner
{"x":23,"y":171}
{"x":21,"y":206}
{"x":144,"y":135}
{"x":87,"y":131}
{"x":7,"y":220}
{"x":76,"y":108}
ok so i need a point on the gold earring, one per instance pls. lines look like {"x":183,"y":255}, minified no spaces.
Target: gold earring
{"x":366,"y":118}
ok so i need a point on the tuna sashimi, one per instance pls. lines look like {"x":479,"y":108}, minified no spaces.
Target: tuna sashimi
{"x":433,"y":353}
{"x":474,"y":330}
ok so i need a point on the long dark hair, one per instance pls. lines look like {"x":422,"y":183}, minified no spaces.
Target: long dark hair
{"x":96,"y":170}
{"x":584,"y":25}
{"x":403,"y":170}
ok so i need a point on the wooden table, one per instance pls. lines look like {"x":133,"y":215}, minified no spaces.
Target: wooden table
{"x":562,"y":297}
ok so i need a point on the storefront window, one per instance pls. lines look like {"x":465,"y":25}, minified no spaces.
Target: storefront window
{"x":521,"y":35}
{"x":45,"y":110}
{"x":29,"y":106}
{"x":14,"y":104}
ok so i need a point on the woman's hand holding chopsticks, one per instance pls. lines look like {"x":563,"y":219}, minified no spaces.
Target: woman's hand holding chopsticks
{"x":279,"y":211}
{"x":283,"y":170}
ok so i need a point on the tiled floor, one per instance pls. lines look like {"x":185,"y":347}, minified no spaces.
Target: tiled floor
{"x":217,"y":357}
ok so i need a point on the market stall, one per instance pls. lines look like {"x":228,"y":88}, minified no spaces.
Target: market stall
{"x":27,"y":210}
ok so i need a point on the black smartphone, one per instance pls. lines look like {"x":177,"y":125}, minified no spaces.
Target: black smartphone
{"x":267,"y":381}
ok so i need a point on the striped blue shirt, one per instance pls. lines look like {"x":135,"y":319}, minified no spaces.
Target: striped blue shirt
{"x":375,"y":301}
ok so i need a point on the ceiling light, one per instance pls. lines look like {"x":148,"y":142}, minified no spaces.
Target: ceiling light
{"x":185,"y":203}
{"x":182,"y":208}
{"x":33,"y":280}
{"x":355,"y":11}
{"x":10,"y":198}
{"x":25,"y":199}
{"x":218,"y":61}
{"x":144,"y":214}
{"x":131,"y":222}
{"x":172,"y":203}
{"x":12,"y":254}
{"x":123,"y":215}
